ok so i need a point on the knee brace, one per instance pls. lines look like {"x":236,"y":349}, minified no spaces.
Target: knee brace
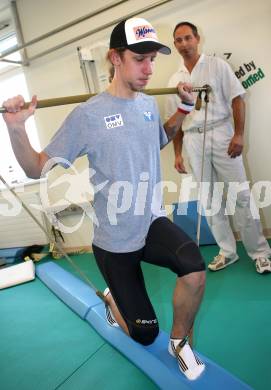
{"x":143,"y":333}
{"x":189,"y":258}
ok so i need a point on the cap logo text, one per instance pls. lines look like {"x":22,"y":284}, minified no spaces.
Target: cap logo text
{"x":142,"y":32}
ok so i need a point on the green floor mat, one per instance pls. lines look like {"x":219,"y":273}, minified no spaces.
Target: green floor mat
{"x":108,"y":370}
{"x":45,"y":346}
{"x":42,"y":340}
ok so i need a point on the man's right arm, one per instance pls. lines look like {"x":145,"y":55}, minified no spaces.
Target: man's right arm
{"x":178,"y":145}
{"x":171,"y":106}
{"x":31,"y":161}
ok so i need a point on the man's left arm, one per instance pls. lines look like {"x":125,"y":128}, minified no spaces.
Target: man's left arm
{"x":237,"y":142}
{"x":174,"y":123}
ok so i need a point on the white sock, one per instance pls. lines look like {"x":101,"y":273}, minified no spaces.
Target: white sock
{"x":190,"y":365}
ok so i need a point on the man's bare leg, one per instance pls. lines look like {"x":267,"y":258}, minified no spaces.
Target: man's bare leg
{"x":187,"y":297}
{"x":186,"y":301}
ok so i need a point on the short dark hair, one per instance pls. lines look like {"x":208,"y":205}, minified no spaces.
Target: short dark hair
{"x":191,"y":25}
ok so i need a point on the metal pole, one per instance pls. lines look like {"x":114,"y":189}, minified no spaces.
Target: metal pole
{"x":11,"y":61}
{"x":82,"y":98}
{"x":110,"y":24}
{"x":18,"y":29}
{"x":61,"y":28}
{"x":202,"y":164}
{"x":84,"y":71}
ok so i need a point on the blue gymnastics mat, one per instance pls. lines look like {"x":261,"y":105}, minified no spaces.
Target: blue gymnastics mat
{"x":153,"y":360}
{"x":185,"y":215}
{"x":11,"y":254}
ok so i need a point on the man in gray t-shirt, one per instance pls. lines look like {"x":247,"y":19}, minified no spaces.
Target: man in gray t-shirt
{"x":121,"y":133}
{"x":107,"y":132}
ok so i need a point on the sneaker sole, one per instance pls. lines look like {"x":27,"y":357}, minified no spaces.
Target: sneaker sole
{"x":224,"y":266}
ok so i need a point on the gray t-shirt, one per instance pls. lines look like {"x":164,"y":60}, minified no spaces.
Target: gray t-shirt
{"x":122,"y":139}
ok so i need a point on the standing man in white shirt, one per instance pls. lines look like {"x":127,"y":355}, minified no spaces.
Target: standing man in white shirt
{"x":224,"y":145}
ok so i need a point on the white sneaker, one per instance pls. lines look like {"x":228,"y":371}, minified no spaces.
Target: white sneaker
{"x":220,"y":262}
{"x":263,"y":265}
{"x":189,"y":363}
{"x":108,"y":312}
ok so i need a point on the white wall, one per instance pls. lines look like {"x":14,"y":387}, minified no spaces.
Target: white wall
{"x":240,"y":27}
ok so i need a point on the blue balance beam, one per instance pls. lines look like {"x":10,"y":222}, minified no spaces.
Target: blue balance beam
{"x":153,"y":360}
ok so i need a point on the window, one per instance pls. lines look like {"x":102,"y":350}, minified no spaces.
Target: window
{"x":12,"y":82}
{"x":8,"y":42}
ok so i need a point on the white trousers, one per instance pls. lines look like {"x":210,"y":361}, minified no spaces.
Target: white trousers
{"x":218,"y":166}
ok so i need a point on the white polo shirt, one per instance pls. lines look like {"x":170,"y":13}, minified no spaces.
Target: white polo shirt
{"x":225,"y":86}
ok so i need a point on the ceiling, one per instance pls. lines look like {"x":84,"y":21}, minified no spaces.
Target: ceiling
{"x":6,"y":21}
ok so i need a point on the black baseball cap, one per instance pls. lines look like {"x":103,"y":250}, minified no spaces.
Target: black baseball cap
{"x":137,"y":35}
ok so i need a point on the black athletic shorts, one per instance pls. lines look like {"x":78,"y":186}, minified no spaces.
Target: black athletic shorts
{"x":166,"y":246}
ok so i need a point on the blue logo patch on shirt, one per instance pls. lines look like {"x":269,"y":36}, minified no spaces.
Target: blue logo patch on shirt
{"x":113,"y":121}
{"x":148,"y":116}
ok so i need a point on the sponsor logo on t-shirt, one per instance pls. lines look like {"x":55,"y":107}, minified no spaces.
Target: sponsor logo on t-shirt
{"x":113,"y":121}
{"x":148,"y":116}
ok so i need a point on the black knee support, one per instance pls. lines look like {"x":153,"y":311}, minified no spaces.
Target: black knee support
{"x":190,"y":258}
{"x":143,"y":333}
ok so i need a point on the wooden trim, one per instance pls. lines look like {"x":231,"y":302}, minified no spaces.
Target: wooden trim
{"x":83,"y":248}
